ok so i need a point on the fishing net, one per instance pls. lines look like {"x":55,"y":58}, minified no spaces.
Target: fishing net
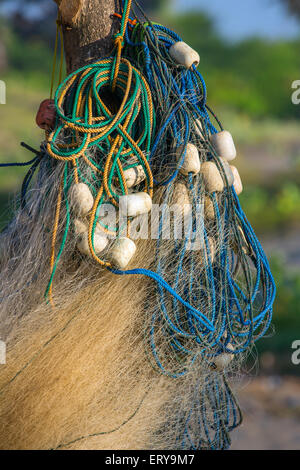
{"x":156,"y":307}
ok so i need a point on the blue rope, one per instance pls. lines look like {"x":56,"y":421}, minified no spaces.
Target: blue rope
{"x":20,"y":164}
{"x":146,"y":272}
{"x":184,"y":95}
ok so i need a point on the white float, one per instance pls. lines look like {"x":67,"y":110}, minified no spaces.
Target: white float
{"x":184,"y":55}
{"x":136,"y":204}
{"x":81,"y":199}
{"x":100,"y":242}
{"x":237,"y":183}
{"x":224,"y":145}
{"x":134,"y":176}
{"x":180,"y":202}
{"x":223,"y":361}
{"x":79,"y":227}
{"x":212,"y":177}
{"x":191,"y":162}
{"x":122,"y":252}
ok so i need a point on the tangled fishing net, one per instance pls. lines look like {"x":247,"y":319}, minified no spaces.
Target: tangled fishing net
{"x":124,"y":331}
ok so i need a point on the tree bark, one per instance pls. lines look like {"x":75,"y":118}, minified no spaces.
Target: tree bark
{"x":294,"y":6}
{"x":88,"y":27}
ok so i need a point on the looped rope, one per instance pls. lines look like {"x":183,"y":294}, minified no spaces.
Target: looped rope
{"x":85,"y":122}
{"x":88,"y":130}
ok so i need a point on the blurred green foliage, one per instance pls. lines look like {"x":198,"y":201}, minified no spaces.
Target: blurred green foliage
{"x":30,"y":56}
{"x":253,"y":76}
{"x":28,"y":60}
{"x":272,"y":210}
{"x":286,"y":319}
{"x":288,"y":298}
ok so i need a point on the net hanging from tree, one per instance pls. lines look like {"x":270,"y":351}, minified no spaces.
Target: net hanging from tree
{"x":135,"y":129}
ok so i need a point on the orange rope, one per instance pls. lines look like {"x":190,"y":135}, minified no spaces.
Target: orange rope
{"x":131,"y":22}
{"x":124,"y":81}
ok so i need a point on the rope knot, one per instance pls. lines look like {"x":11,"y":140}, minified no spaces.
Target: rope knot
{"x":119,"y":40}
{"x":130,"y":21}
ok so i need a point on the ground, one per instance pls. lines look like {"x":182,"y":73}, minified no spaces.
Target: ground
{"x":271,"y":414}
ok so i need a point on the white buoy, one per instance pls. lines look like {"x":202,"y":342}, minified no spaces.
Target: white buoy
{"x":184,"y":55}
{"x":122,"y":252}
{"x":237,"y":182}
{"x":134,"y":176}
{"x":180,"y":202}
{"x":224,"y":145}
{"x":212,"y":177}
{"x":136,"y":204}
{"x":100,"y":242}
{"x":79,"y":227}
{"x":191,"y":162}
{"x":81,"y":198}
{"x":223,"y":360}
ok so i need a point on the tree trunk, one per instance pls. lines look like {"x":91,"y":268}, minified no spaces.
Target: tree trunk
{"x":88,"y":27}
{"x":294,"y":6}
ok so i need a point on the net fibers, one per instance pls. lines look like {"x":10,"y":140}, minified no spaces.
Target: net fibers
{"x":128,"y":359}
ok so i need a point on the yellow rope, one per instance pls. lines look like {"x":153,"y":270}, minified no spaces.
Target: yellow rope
{"x":123,"y":79}
{"x":119,"y":42}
